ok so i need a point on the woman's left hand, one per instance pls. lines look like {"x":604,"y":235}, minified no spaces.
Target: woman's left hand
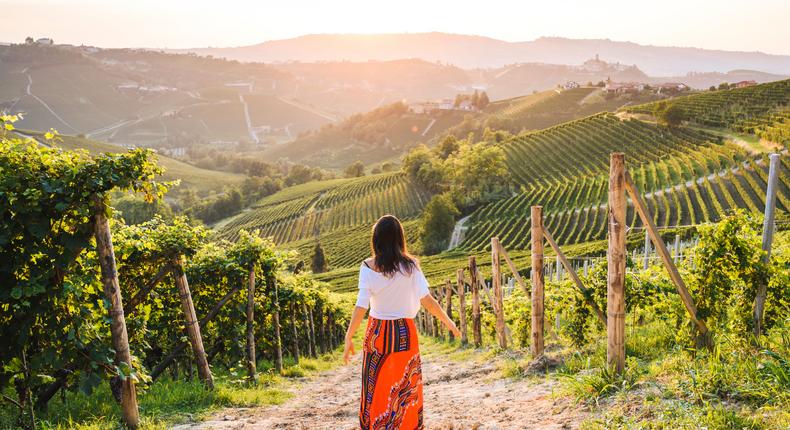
{"x":348,"y":351}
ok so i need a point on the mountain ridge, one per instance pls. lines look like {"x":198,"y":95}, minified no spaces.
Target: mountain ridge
{"x":472,"y":51}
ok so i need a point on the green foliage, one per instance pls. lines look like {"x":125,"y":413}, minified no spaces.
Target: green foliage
{"x":52,"y":307}
{"x":437,"y":223}
{"x":668,"y":114}
{"x":729,"y":269}
{"x":478,"y":174}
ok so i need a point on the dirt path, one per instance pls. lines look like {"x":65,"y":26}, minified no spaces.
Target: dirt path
{"x":458,"y":396}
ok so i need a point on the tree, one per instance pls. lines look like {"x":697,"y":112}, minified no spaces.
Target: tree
{"x":447,"y":146}
{"x":318,"y":263}
{"x":712,"y":88}
{"x":437,"y":223}
{"x":669,"y":114}
{"x":724,"y":86}
{"x":424,"y":167}
{"x":388,"y":167}
{"x":483,"y":101}
{"x":479,"y":174}
{"x":355,"y":170}
{"x":29,"y":40}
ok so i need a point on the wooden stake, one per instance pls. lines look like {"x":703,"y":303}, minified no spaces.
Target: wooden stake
{"x":476,"y":328}
{"x":537,"y":342}
{"x":615,"y":290}
{"x":448,"y":288}
{"x":768,"y":238}
{"x":309,"y":329}
{"x":646,"y":262}
{"x":112,"y":291}
{"x":662,"y":251}
{"x":462,"y":304}
{"x":191,"y":322}
{"x":251,"y":363}
{"x":295,"y":333}
{"x":496,"y":279}
{"x":311,"y":332}
{"x":278,"y":344}
{"x":585,"y":292}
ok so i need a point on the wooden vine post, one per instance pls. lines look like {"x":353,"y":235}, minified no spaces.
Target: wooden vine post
{"x":440,"y":299}
{"x":278,"y":345}
{"x":448,"y":292}
{"x":295,"y":333}
{"x":615,"y":284}
{"x":112,"y":291}
{"x":191,"y":322}
{"x":768,"y":237}
{"x":462,"y":305}
{"x":537,"y":342}
{"x":251,"y":363}
{"x":477,"y":334}
{"x":308,"y":314}
{"x":496,"y":280}
{"x":703,"y":338}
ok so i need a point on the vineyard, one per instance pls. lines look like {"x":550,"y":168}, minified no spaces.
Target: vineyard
{"x":575,"y":149}
{"x":88,"y":299}
{"x":576,"y":219}
{"x":314,"y":211}
{"x":743,"y":109}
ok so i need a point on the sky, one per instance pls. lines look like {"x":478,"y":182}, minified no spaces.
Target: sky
{"x":756,"y":25}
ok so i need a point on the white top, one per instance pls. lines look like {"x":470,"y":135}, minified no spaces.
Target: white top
{"x":391,"y":297}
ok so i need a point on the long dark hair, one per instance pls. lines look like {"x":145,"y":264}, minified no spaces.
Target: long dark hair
{"x":388,"y":246}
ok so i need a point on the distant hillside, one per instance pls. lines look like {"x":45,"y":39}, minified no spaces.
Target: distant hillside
{"x":762,"y":110}
{"x":372,"y":137}
{"x":202,"y":180}
{"x":544,"y":109}
{"x":482,"y":52}
{"x":148,"y":98}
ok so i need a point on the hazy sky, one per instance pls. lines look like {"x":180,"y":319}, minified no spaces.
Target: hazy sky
{"x":756,"y":25}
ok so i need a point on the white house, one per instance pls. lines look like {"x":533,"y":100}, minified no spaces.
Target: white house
{"x":44,"y":41}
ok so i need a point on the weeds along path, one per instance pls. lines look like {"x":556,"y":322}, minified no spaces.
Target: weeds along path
{"x":459,"y":394}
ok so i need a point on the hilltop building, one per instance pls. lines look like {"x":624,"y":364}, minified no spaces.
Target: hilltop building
{"x":570,"y":84}
{"x":671,"y":88}
{"x":744,"y":84}
{"x":623,"y":87}
{"x":44,"y":41}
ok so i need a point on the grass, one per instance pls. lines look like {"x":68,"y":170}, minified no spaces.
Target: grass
{"x":168,"y":402}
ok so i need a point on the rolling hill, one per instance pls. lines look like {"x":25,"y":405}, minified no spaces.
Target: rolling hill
{"x":688,"y":175}
{"x":202,"y":180}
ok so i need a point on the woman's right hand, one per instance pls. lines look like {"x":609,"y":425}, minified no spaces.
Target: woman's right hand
{"x":348,"y":351}
{"x":451,"y":326}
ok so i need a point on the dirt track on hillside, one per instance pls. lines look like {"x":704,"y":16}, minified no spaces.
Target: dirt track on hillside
{"x":466,"y":395}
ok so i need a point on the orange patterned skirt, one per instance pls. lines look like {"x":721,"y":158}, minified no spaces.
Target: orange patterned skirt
{"x":391,"y":376}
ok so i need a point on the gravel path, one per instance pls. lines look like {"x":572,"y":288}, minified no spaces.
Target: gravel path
{"x":466,"y":395}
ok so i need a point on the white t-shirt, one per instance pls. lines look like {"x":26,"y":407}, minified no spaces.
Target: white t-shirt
{"x":391,"y":297}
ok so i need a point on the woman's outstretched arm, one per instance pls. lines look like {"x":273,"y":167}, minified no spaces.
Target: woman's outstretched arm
{"x":356,"y":319}
{"x":432,"y":306}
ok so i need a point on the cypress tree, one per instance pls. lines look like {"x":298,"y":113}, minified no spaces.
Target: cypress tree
{"x":319,"y":264}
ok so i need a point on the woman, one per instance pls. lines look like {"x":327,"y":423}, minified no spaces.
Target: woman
{"x":393,"y":286}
